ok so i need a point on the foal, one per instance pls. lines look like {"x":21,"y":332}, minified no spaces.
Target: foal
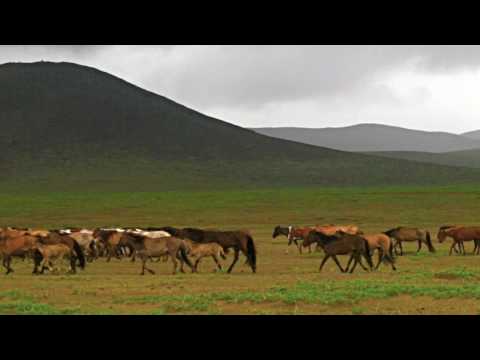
{"x":200,"y":251}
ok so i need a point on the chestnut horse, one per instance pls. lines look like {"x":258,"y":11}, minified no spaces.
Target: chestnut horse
{"x":15,"y":246}
{"x":459,"y":234}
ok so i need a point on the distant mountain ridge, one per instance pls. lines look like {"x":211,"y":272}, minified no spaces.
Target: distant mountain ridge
{"x":472,"y":134}
{"x":374,"y":137}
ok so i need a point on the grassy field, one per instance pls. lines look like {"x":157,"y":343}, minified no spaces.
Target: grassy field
{"x":285,"y":283}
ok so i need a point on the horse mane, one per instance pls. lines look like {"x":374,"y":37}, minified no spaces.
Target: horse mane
{"x":445,"y":227}
{"x":391,"y":231}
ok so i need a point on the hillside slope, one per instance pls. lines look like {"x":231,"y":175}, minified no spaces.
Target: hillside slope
{"x":466,"y":158}
{"x":66,"y":126}
{"x":472,"y":134}
{"x":374,"y":137}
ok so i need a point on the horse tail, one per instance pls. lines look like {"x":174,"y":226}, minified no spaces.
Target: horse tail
{"x":79,"y":252}
{"x":251,"y":253}
{"x":183,"y":254}
{"x":368,"y":254}
{"x":429,"y":242}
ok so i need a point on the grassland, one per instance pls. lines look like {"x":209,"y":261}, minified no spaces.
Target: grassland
{"x":285,"y":283}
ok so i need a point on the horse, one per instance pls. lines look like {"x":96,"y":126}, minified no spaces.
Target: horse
{"x":146,"y":247}
{"x":384,"y":245}
{"x":109,"y":238}
{"x":240,"y":241}
{"x":407,"y":234}
{"x":85,"y":239}
{"x":341,"y":244}
{"x":149,"y":233}
{"x":331,"y":229}
{"x":293,"y":234}
{"x":200,"y":251}
{"x":15,"y":246}
{"x":50,"y":253}
{"x":54,"y":238}
{"x":459,"y":234}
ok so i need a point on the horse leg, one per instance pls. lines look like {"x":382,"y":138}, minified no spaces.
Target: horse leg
{"x":299,"y":246}
{"x":6,"y":264}
{"x":195,"y":266}
{"x":419,"y":245}
{"x":73,"y":265}
{"x":334,"y":257}
{"x":381,"y":254}
{"x":235,"y":259}
{"x":309,"y":249}
{"x":349,"y":262}
{"x":323,"y":262}
{"x":358,"y":259}
{"x":451,"y":248}
{"x":217,"y":262}
{"x":354,"y":265}
{"x":174,"y":260}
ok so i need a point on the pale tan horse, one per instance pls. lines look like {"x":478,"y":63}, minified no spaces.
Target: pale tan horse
{"x":51,"y":253}
{"x":332,"y":229}
{"x":384,"y":245}
{"x":401,"y":234}
{"x":199,"y":251}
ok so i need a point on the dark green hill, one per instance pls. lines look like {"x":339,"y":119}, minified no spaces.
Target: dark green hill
{"x":66,"y":126}
{"x":466,"y":158}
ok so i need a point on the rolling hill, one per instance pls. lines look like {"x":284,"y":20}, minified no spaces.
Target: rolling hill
{"x":472,"y":135}
{"x":466,"y":158}
{"x":374,"y":137}
{"x":68,"y":127}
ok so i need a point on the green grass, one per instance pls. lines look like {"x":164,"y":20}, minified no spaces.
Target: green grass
{"x":286,"y":284}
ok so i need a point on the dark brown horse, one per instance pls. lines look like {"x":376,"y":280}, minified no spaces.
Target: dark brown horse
{"x":146,"y":247}
{"x":460,"y":234}
{"x":401,"y":234}
{"x":239,"y":241}
{"x":341,"y":244}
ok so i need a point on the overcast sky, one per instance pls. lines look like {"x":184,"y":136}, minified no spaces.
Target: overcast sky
{"x":435,"y":88}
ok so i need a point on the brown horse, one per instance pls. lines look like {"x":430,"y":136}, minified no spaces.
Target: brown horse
{"x":341,"y":244}
{"x":401,"y":234}
{"x":109,"y":240}
{"x":240,"y":241}
{"x":384,"y":245}
{"x":146,"y":247}
{"x":459,"y":234}
{"x":15,"y":246}
{"x":54,"y":238}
